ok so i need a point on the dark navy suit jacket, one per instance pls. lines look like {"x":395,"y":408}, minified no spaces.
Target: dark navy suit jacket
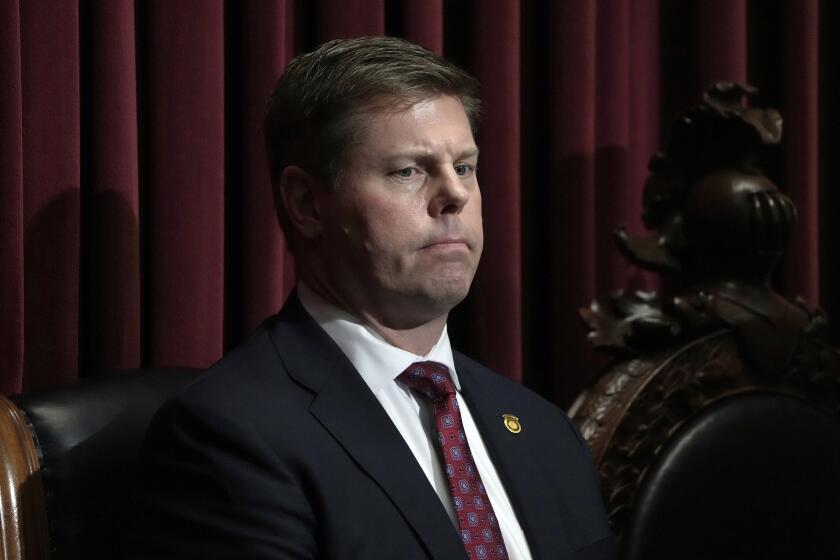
{"x":280,"y":450}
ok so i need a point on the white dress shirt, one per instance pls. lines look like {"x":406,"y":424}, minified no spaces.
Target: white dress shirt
{"x":379,"y":363}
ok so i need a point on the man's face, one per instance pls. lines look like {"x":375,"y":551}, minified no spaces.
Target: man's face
{"x":402,"y":232}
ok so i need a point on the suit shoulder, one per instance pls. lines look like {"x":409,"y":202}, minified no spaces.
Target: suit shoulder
{"x":247,"y":383}
{"x":248,"y":360}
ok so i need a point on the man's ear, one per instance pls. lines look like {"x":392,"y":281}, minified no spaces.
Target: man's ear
{"x":295,"y":188}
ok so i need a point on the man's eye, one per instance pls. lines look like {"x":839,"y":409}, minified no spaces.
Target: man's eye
{"x":405,"y":173}
{"x":463,"y":169}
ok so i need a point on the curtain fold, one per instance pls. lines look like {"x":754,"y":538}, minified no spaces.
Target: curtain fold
{"x":423,"y":23}
{"x":49,"y":47}
{"x":11,"y":203}
{"x":136,"y":216}
{"x":349,"y":18}
{"x":571,"y":180}
{"x":721,"y":30}
{"x":183,"y":106}
{"x":495,"y":329}
{"x":800,"y":107}
{"x":256,"y":260}
{"x":110,"y":309}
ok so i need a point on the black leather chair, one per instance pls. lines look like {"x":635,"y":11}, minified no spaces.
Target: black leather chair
{"x":67,"y":459}
{"x":766,"y":484}
{"x":701,"y":457}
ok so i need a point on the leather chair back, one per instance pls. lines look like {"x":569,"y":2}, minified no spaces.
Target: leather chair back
{"x":703,"y":457}
{"x":755,"y":475}
{"x":67,"y":457}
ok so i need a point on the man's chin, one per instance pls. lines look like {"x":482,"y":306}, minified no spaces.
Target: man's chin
{"x":432,"y":303}
{"x":446,"y":293}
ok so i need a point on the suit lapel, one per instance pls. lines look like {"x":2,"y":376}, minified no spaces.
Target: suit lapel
{"x":346,"y":408}
{"x":540,"y":515}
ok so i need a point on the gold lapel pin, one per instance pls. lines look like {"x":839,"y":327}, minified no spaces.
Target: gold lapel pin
{"x":512,"y":423}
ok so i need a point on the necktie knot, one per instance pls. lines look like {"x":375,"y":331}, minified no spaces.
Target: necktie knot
{"x":429,"y":378}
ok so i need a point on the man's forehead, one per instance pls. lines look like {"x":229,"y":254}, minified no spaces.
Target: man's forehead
{"x":393,"y":105}
{"x":415,"y":119}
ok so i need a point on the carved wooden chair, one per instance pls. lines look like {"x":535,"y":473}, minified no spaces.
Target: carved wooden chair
{"x":716,"y":430}
{"x":66,"y":462}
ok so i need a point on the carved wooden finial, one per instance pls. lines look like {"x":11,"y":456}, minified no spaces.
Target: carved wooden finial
{"x":721,"y":226}
{"x":707,"y":195}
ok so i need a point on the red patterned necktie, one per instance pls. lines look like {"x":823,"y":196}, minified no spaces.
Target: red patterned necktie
{"x":479,"y":527}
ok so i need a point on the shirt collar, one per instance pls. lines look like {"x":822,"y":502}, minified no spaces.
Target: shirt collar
{"x":377,"y":361}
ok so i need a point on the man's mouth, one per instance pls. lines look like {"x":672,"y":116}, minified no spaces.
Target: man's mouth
{"x":446,"y":243}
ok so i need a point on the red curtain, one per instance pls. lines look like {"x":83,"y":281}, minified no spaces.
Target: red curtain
{"x":136,"y":221}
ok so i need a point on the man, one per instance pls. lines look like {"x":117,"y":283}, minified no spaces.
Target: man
{"x":346,"y":427}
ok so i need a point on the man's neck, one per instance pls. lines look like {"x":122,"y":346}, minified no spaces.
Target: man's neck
{"x":418,"y":339}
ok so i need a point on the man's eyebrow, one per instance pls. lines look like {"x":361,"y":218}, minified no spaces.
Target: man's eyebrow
{"x":421,"y":154}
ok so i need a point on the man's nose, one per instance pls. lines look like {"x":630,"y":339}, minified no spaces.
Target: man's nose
{"x":451,"y":194}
